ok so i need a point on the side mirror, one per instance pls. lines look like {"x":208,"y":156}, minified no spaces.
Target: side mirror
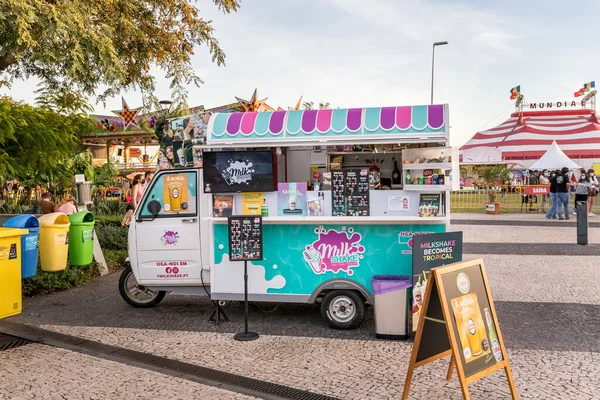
{"x":154,"y":208}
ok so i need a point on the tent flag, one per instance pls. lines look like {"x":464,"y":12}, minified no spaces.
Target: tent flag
{"x":515,"y":92}
{"x":554,"y":158}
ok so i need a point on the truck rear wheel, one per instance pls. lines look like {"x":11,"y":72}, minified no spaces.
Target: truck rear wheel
{"x":343,"y":309}
{"x":136,"y":295}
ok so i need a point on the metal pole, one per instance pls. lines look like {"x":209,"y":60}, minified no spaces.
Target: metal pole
{"x":246,"y":297}
{"x":433,"y":64}
{"x":432,"y":69}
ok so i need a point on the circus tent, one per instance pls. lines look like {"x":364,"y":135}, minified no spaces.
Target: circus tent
{"x":526,"y":136}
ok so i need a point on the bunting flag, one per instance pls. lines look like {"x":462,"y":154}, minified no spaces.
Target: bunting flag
{"x":586,"y":88}
{"x":515,"y":92}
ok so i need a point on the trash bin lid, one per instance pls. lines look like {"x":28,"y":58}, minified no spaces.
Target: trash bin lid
{"x":22,"y":221}
{"x":390,"y":283}
{"x":56,"y":218}
{"x":81,"y":217}
{"x":10,"y":232}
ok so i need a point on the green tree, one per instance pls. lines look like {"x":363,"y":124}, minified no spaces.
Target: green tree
{"x":82,"y":45}
{"x":101,"y":176}
{"x":36,"y":143}
{"x":324,"y":105}
{"x":494,"y":177}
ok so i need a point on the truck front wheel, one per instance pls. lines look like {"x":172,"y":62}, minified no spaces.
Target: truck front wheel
{"x":343,"y":309}
{"x":137,"y":295}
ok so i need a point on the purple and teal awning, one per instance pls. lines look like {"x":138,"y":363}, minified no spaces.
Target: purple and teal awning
{"x":354,"y":125}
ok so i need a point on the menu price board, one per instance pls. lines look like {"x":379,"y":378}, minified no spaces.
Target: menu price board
{"x":337,"y":194}
{"x":459,"y":320}
{"x":350,"y":193}
{"x":245,"y":238}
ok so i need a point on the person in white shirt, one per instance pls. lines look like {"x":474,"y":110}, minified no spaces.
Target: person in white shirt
{"x":545,"y":180}
{"x":593,"y":191}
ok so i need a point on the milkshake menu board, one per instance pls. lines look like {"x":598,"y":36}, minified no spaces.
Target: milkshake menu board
{"x":337,"y":194}
{"x":350,"y":193}
{"x":245,"y":238}
{"x":357,"y":193}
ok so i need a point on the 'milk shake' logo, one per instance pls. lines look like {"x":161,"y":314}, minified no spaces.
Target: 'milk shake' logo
{"x":334,"y":251}
{"x":238,"y":172}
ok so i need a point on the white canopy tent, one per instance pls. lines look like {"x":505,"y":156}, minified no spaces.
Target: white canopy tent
{"x":554,"y":158}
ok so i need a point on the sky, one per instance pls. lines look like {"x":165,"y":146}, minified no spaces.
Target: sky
{"x":355,"y":53}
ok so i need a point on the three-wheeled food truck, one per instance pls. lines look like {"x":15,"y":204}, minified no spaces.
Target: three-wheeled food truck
{"x":322,"y":242}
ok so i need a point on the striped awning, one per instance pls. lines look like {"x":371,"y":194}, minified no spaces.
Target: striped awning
{"x":353,"y":125}
{"x":527,"y":135}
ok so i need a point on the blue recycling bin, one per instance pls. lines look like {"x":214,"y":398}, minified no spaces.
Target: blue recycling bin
{"x":29,"y":242}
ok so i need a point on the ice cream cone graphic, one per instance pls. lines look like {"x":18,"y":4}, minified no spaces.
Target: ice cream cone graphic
{"x":313,"y":258}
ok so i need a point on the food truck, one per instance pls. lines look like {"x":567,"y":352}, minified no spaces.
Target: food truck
{"x":360,"y":184}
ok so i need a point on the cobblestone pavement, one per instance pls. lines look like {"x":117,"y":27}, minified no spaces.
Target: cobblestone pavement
{"x":548,"y":307}
{"x":42,"y":372}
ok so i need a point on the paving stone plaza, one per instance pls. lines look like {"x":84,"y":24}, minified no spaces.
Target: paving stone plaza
{"x":545,"y":289}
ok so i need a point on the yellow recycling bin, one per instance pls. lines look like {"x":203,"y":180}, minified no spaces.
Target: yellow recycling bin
{"x":10,"y":271}
{"x":54,"y":241}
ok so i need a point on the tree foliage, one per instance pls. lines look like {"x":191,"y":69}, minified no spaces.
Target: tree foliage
{"x":36,"y":143}
{"x":82,"y":45}
{"x":310,"y":105}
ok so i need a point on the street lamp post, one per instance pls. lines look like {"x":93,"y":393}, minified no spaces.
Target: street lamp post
{"x":433,"y":64}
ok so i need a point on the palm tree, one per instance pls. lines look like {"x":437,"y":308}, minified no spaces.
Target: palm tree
{"x":308,"y":105}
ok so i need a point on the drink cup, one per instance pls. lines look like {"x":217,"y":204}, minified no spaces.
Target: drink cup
{"x":175,"y":189}
{"x":472,"y":331}
{"x":181,"y":156}
{"x":313,"y":258}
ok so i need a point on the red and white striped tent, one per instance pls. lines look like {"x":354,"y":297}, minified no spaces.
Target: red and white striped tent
{"x":526,"y":136}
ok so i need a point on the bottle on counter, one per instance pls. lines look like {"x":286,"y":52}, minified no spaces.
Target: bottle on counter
{"x":264,"y":209}
{"x":408,"y":179}
{"x":396,"y":174}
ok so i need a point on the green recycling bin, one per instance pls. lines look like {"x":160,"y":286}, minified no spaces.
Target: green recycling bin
{"x":81,"y":238}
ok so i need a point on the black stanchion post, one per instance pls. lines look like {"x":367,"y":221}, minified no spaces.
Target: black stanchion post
{"x":246,"y":336}
{"x":582,"y":222}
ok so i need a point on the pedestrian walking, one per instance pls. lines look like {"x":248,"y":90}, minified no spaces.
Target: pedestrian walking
{"x":581,"y":190}
{"x":554,"y":202}
{"x":561,"y":181}
{"x":593,"y":192}
{"x":544,"y":180}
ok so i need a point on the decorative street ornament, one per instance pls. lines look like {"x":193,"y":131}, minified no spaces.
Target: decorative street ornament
{"x":297,"y":105}
{"x":254,"y":104}
{"x":128,"y":115}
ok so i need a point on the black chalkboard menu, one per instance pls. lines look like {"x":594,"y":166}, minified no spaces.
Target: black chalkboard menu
{"x":337,"y":194}
{"x":245,"y":238}
{"x":350,"y":193}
